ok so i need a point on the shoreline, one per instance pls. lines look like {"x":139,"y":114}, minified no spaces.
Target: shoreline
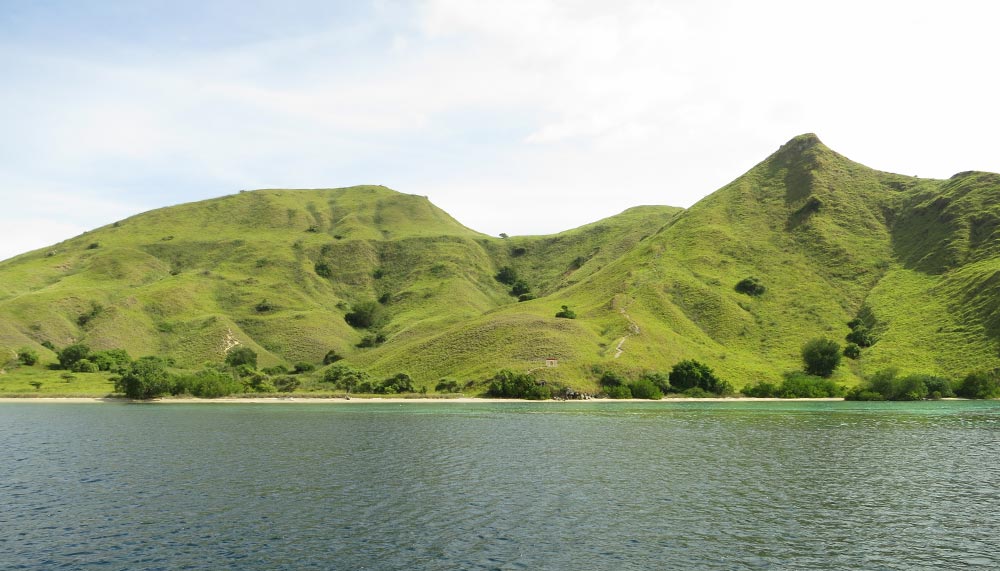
{"x":386,"y":400}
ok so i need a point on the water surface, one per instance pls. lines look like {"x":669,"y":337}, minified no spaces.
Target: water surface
{"x":813,"y":485}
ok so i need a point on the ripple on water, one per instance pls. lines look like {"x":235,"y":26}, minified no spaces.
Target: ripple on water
{"x":482,"y":486}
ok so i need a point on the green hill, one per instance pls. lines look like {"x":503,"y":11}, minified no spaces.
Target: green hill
{"x":916,"y":261}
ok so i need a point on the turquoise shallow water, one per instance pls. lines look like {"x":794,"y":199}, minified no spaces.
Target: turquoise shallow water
{"x":816,"y":485}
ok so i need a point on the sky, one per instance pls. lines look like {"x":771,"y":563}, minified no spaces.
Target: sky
{"x":522,"y":117}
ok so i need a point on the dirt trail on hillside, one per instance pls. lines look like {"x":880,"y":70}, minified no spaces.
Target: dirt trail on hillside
{"x":633,"y":329}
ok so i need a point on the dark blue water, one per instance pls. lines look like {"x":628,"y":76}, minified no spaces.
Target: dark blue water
{"x":500,"y":486}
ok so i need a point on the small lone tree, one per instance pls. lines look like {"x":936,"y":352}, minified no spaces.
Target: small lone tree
{"x":820,"y":356}
{"x":566,"y":313}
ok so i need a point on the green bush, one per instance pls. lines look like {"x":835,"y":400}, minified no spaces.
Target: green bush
{"x":980,"y":385}
{"x":346,"y":378}
{"x":618,"y":392}
{"x":286,"y":384}
{"x":323,"y":270}
{"x":68,"y":356}
{"x":257,"y":382}
{"x":447,"y":386}
{"x":750,"y":286}
{"x":762,"y":389}
{"x":397,"y":384}
{"x":508,"y":384}
{"x":520,"y":287}
{"x":611,"y":379}
{"x":645,"y":389}
{"x":852,"y":351}
{"x":372,"y":340}
{"x":208,"y":383}
{"x":365,"y":315}
{"x":689,"y":374}
{"x":660,"y":380}
{"x":566,"y":313}
{"x":821,"y":357}
{"x":275,"y":370}
{"x":888,"y":385}
{"x":85,"y":366}
{"x":27,"y":356}
{"x":799,"y":385}
{"x":240,"y":355}
{"x":331,"y":357}
{"x":304,"y":367}
{"x":115,"y":360}
{"x":145,"y":378}
{"x":507,"y":275}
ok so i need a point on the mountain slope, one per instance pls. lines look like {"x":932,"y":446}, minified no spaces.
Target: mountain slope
{"x":916,"y":261}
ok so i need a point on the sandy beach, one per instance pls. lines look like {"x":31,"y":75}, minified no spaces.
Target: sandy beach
{"x":376,"y":400}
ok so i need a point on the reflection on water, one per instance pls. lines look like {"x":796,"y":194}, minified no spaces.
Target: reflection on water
{"x":824,"y":485}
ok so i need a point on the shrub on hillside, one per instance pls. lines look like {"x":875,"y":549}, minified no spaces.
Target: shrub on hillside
{"x":372,"y":340}
{"x":520,"y":287}
{"x":331,"y":357}
{"x":750,"y":286}
{"x":507,"y":275}
{"x":566,"y":313}
{"x":238,"y":356}
{"x":303,"y":367}
{"x":365,"y":315}
{"x":114,"y":360}
{"x":27,"y":356}
{"x":323,"y":270}
{"x":447,"y":386}
{"x":85,"y":366}
{"x":852,"y":351}
{"x":821,"y":356}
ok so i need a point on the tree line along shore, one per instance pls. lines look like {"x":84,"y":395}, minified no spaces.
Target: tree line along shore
{"x":238,"y":375}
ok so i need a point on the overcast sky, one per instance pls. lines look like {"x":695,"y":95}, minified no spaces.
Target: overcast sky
{"x":520,"y":117}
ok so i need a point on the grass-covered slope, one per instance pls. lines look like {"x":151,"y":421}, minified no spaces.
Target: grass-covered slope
{"x":917,"y":261}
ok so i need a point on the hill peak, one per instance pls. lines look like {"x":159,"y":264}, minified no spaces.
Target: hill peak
{"x":800,"y":144}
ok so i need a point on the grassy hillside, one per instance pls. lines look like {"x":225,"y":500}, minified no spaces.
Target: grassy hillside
{"x":916,"y":260}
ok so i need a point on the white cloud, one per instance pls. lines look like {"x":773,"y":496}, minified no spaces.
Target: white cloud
{"x":546,"y":113}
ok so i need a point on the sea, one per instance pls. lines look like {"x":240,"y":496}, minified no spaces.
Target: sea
{"x":497,"y":486}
